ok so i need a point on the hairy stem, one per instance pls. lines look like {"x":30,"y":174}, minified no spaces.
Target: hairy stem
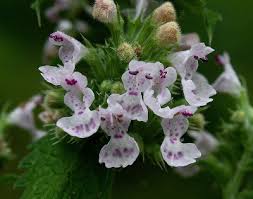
{"x":233,"y":187}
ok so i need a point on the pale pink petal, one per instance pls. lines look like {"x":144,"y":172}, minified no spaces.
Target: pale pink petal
{"x":179,"y":154}
{"x":80,"y":125}
{"x":176,"y":127}
{"x":114,"y":121}
{"x":70,"y":50}
{"x":228,"y":81}
{"x":197,"y":91}
{"x":119,"y":152}
{"x":205,"y":142}
{"x":133,"y":105}
{"x":75,"y":82}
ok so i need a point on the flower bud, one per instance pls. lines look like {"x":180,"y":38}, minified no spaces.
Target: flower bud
{"x":198,"y":121}
{"x":51,"y":116}
{"x":117,"y":88}
{"x":105,"y":11}
{"x":106,"y":86}
{"x":53,"y":99}
{"x":125,"y":52}
{"x":239,"y":116}
{"x":168,"y":34}
{"x":5,"y":151}
{"x":165,"y":13}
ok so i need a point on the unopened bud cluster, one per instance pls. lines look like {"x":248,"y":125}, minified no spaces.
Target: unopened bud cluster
{"x":105,"y":11}
{"x":169,"y":32}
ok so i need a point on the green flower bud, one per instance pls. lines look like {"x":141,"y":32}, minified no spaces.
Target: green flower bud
{"x":117,"y":88}
{"x":198,"y":121}
{"x":53,"y":99}
{"x":106,"y":86}
{"x":125,"y":52}
{"x":238,"y":116}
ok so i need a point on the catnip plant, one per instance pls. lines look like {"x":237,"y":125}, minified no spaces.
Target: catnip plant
{"x":137,"y":95}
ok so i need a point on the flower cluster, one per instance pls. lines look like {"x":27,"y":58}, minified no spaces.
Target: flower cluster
{"x":147,"y":86}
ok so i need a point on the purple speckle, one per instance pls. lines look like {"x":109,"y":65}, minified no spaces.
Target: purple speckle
{"x":117,"y":153}
{"x":133,"y":72}
{"x":134,"y":93}
{"x":71,"y":82}
{"x":148,"y":76}
{"x":56,"y":38}
{"x":163,"y":74}
{"x":187,"y":113}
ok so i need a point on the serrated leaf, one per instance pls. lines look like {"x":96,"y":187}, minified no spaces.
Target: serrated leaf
{"x":63,"y":171}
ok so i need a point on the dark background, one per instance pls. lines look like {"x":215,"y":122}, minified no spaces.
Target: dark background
{"x":21,"y":42}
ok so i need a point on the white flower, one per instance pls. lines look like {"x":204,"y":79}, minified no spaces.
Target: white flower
{"x":122,"y":150}
{"x":186,"y":62}
{"x":64,"y":76}
{"x":132,"y":104}
{"x":175,"y":153}
{"x":228,"y":81}
{"x":23,"y":117}
{"x":84,"y":122}
{"x":137,"y":79}
{"x":205,"y":141}
{"x":197,"y":91}
{"x":71,"y":50}
{"x":119,"y":152}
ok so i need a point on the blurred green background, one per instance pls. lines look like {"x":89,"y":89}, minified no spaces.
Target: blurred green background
{"x":21,"y":43}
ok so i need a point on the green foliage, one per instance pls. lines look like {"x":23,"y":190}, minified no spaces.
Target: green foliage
{"x":231,"y":164}
{"x":199,"y":8}
{"x":63,"y":171}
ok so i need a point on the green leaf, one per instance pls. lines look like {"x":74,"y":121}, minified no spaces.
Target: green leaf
{"x":211,"y":19}
{"x":63,"y":171}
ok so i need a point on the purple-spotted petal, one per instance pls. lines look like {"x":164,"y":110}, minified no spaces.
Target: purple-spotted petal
{"x":114,"y":121}
{"x":55,"y":75}
{"x":175,"y":128}
{"x":80,"y":125}
{"x":75,"y":82}
{"x":119,"y":152}
{"x":71,"y":50}
{"x":179,"y":154}
{"x":133,"y":105}
{"x":79,"y":102}
{"x":166,"y":112}
{"x":139,"y":77}
{"x":200,"y":50}
{"x":197,"y":91}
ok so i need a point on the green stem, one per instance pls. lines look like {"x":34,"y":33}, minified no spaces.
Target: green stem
{"x":233,"y":187}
